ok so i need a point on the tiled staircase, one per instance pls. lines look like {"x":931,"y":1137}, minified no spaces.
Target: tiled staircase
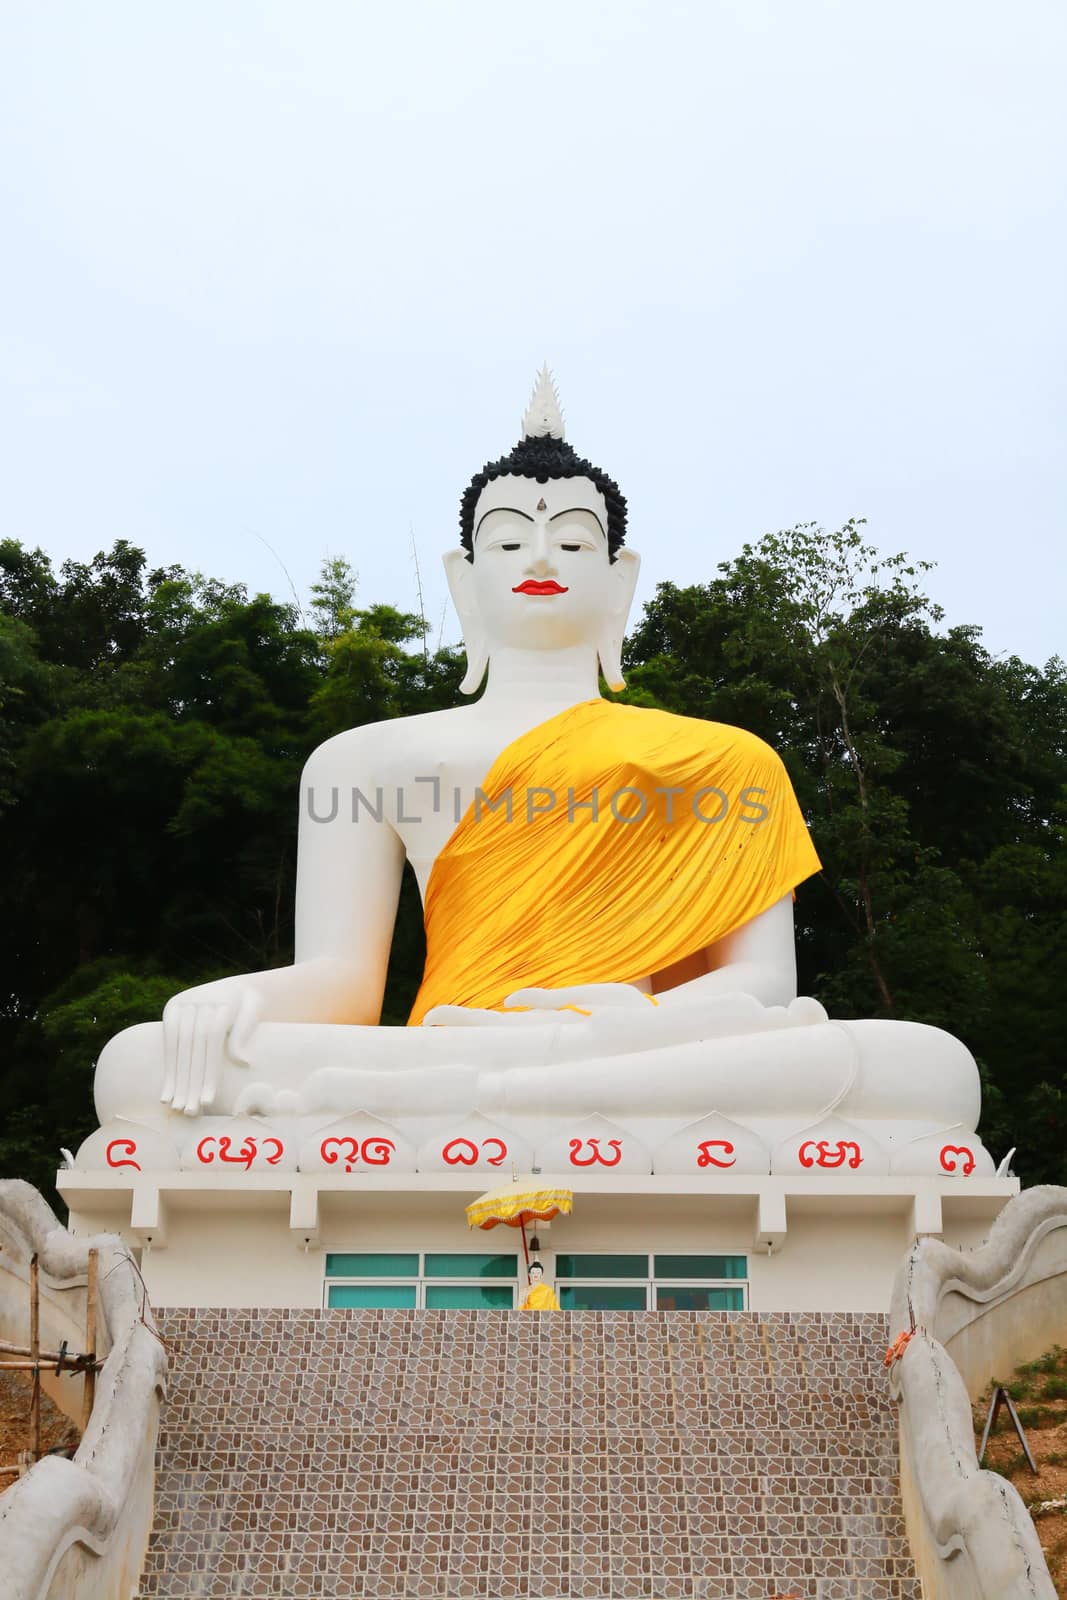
{"x":453,"y":1453}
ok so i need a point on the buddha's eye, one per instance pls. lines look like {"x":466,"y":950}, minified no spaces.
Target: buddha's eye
{"x":509,"y":547}
{"x":570,"y":547}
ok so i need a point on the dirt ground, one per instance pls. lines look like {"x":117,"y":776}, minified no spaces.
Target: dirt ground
{"x":1039,"y":1390}
{"x":57,"y":1430}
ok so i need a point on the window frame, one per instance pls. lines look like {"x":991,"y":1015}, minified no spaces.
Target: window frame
{"x":420,"y":1281}
{"x":650,"y":1283}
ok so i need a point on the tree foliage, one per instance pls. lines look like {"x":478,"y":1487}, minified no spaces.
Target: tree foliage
{"x":153,"y":725}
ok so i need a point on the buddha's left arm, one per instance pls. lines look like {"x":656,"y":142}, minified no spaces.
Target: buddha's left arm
{"x":759,"y":959}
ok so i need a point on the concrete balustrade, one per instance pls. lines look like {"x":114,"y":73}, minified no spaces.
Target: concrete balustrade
{"x":77,"y":1530}
{"x":978,"y":1315}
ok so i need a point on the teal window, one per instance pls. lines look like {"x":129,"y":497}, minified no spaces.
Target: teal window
{"x":698,"y":1297}
{"x":603,"y":1296}
{"x":474,"y":1266}
{"x":368,"y":1264}
{"x":605,"y":1282}
{"x":700,"y":1267}
{"x":602,"y":1267}
{"x":438,"y":1280}
{"x":433,"y":1281}
{"x":469,"y":1297}
{"x":373,"y":1295}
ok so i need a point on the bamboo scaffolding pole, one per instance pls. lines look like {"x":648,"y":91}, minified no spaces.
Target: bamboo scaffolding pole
{"x":35,"y":1352}
{"x":54,"y":1364}
{"x":89,"y":1394}
{"x":47,"y":1358}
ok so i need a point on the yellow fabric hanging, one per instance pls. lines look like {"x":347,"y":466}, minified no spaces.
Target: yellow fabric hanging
{"x":544,"y":890}
{"x":540,"y":1297}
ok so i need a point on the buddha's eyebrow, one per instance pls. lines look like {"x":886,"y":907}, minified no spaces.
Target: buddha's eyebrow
{"x":570,"y":512}
{"x":513,"y":509}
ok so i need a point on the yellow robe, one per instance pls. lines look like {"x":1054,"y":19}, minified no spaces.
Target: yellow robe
{"x":530,"y":893}
{"x":540,"y":1297}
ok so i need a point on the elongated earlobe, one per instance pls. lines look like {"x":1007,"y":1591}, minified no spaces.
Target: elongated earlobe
{"x":460,"y":573}
{"x":609,"y":649}
{"x":622,"y":574}
{"x":477,"y":662}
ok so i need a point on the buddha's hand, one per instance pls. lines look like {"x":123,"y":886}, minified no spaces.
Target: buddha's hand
{"x":535,"y":1007}
{"x":479,"y":1017}
{"x":579,"y":999}
{"x":202,"y":1028}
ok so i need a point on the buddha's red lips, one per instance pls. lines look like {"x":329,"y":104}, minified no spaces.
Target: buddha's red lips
{"x":531,"y":586}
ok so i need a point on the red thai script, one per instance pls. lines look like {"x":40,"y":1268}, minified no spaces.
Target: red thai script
{"x":823,"y":1158}
{"x":330,"y":1151}
{"x":375,"y":1152}
{"x":598,"y":1155}
{"x":243,"y":1157}
{"x":706,"y":1159}
{"x":465,"y":1152}
{"x":949,"y":1162}
{"x":129,"y":1148}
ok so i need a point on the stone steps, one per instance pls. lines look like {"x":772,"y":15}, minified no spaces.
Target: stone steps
{"x":386,"y":1453}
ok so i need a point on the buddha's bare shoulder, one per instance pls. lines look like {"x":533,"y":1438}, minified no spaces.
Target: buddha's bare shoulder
{"x":360,"y":752}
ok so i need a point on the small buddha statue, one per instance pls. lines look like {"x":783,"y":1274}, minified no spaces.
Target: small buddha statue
{"x":540,"y":1296}
{"x":607,"y":889}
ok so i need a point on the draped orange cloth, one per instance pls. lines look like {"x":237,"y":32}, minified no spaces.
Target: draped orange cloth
{"x":540,"y":1297}
{"x":575,"y":864}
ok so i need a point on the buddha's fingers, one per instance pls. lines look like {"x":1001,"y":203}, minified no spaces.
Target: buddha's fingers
{"x":198,"y":1046}
{"x":462,"y":1017}
{"x":170,"y":1052}
{"x":214,"y":1044}
{"x":591,"y":996}
{"x":479,"y":1017}
{"x":239,"y":1042}
{"x":186,"y":1024}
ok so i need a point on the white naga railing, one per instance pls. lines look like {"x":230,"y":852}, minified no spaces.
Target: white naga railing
{"x":976,"y":1315}
{"x":77,"y":1529}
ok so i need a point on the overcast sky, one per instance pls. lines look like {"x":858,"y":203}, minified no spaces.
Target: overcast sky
{"x":281,"y":274}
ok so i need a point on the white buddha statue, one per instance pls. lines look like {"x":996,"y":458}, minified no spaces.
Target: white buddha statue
{"x":608,"y":891}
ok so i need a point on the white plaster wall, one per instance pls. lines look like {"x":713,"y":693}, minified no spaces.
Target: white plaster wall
{"x":240,"y":1260}
{"x":964,"y":1232}
{"x":830,"y":1261}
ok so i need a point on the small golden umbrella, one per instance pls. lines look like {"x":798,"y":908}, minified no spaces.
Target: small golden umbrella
{"x":515,"y":1204}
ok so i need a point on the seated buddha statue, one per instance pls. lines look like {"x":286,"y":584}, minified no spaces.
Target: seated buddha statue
{"x":607,"y":889}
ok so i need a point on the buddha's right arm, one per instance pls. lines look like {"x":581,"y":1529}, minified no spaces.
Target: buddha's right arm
{"x":348,"y":887}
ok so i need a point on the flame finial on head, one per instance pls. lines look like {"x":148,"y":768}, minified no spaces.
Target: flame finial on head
{"x":543,"y":419}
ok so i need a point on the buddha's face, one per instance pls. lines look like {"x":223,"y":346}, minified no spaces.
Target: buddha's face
{"x":542,"y":575}
{"x":536,"y":1273}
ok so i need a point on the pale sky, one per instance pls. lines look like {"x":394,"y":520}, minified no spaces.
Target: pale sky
{"x":283,"y":272}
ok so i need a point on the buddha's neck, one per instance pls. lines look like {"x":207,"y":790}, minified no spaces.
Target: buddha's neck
{"x":549,"y":679}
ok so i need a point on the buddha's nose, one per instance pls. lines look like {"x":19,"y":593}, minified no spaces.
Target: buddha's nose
{"x":541,"y":552}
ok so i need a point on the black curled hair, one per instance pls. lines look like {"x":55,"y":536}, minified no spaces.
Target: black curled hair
{"x":544,"y":459}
